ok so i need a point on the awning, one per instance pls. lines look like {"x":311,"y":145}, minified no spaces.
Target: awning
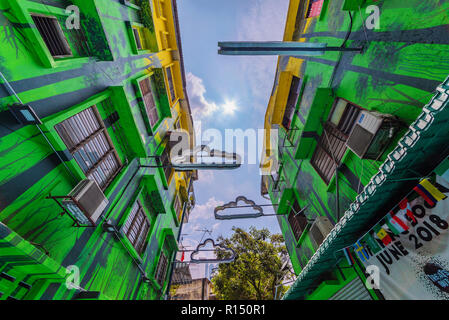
{"x":418,"y":153}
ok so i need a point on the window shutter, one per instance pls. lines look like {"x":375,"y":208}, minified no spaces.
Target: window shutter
{"x":148,"y":100}
{"x":88,"y":141}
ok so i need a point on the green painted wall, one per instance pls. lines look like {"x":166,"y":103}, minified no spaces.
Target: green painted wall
{"x":403,"y":63}
{"x":104,"y":74}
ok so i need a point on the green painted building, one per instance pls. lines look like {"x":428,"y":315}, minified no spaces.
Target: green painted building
{"x":90,"y":91}
{"x":341,"y":117}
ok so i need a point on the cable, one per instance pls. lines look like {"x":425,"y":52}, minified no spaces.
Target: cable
{"x":341,"y":52}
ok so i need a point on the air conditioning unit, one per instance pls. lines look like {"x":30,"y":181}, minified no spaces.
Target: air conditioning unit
{"x":371,"y":134}
{"x":319,"y":230}
{"x":86,"y":202}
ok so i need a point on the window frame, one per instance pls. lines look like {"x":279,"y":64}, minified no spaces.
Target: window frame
{"x":177,"y":206}
{"x":137,"y":38}
{"x":170,"y":83}
{"x":149,"y":109}
{"x":291,"y":107}
{"x":293,"y":216}
{"x":140,"y":249}
{"x":309,"y":9}
{"x":165,"y":262}
{"x":86,"y":144}
{"x":165,"y":162}
{"x":141,"y":195}
{"x":147,"y":44}
{"x":340,"y":137}
{"x":22,"y":10}
{"x":60,"y":33}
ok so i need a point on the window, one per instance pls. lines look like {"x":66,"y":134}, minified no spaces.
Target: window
{"x":177,"y":125}
{"x":52,"y":34}
{"x":137,"y":37}
{"x":142,"y":38}
{"x":136,"y":227}
{"x":87,"y":140}
{"x":160,"y":6}
{"x":315,"y":7}
{"x":148,"y":100}
{"x":166,"y":163}
{"x":161,"y":269}
{"x":298,"y":222}
{"x":332,"y":143}
{"x":291,"y":102}
{"x":178,"y":207}
{"x":170,"y":83}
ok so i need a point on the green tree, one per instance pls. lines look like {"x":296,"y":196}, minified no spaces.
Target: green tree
{"x":256,"y":270}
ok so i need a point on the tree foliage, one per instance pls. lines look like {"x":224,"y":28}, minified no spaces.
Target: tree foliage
{"x":257,"y":267}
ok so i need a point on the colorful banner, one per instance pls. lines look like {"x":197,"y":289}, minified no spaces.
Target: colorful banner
{"x":410,"y":246}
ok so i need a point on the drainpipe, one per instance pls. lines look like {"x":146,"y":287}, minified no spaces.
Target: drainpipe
{"x":12,"y":92}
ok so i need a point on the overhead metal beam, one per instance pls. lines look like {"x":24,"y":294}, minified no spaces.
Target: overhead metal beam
{"x":278,"y":48}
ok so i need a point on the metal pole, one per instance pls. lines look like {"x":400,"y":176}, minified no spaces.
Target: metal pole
{"x":281,"y":48}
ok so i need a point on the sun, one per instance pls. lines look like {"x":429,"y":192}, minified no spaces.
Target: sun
{"x":229,"y":107}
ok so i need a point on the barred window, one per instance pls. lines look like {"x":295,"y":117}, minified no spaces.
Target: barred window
{"x":170,"y":83}
{"x":297,"y":221}
{"x":166,"y":163}
{"x":161,"y":270}
{"x":331,"y":146}
{"x":87,"y":140}
{"x":138,"y":40}
{"x":137,"y":227}
{"x":52,"y":34}
{"x":315,"y":7}
{"x":148,"y":100}
{"x":178,"y":207}
{"x":292,"y":100}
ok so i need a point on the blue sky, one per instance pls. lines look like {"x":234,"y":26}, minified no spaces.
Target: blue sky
{"x":228,"y":92}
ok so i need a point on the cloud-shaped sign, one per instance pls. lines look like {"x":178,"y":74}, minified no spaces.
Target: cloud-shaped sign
{"x":258,"y":211}
{"x":183,"y":162}
{"x":215,"y":246}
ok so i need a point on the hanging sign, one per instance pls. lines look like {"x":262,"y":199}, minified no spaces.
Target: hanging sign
{"x":410,"y":247}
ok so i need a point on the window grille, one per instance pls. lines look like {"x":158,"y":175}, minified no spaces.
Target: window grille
{"x":331,"y":145}
{"x":298,"y":222}
{"x":52,"y":34}
{"x":87,"y":140}
{"x":291,"y":102}
{"x":148,"y":100}
{"x":178,"y":207}
{"x":137,"y":227}
{"x":161,"y":269}
{"x":170,"y":83}
{"x":138,"y":40}
{"x":166,"y":163}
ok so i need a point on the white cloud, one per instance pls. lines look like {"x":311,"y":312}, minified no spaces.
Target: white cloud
{"x":205,"y":176}
{"x":201,"y":106}
{"x":205,"y":211}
